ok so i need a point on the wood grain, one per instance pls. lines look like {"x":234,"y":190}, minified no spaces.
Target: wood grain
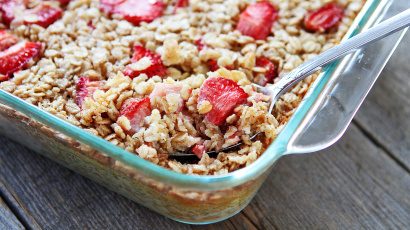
{"x":385,"y":114}
{"x":351,"y":185}
{"x":59,"y":198}
{"x":56,"y":197}
{"x":7,"y":219}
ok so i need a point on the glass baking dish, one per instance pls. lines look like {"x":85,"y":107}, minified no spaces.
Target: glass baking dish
{"x":319,"y":121}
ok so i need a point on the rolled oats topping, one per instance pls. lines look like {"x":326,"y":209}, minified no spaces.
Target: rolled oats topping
{"x":157,"y":77}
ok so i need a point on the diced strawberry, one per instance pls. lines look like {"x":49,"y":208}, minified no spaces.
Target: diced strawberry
{"x":156,"y":68}
{"x":85,"y":88}
{"x":198,"y":150}
{"x":18,"y":57}
{"x":140,"y":52}
{"x":9,"y":9}
{"x":257,"y":20}
{"x":200,"y":45}
{"x":213,"y":65}
{"x":7,"y":40}
{"x":134,"y":11}
{"x":181,"y":3}
{"x":91,"y":25}
{"x":64,"y":2}
{"x":136,"y":110}
{"x":224,"y":95}
{"x":4,"y":78}
{"x":161,"y":90}
{"x":271,"y":71}
{"x":108,"y":6}
{"x":43,"y":15}
{"x":324,"y":18}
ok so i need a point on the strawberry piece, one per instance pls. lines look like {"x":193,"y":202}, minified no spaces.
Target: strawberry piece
{"x":213,"y":65}
{"x":136,"y":110}
{"x":156,"y":68}
{"x":181,"y":3}
{"x":224,"y":95}
{"x":108,"y":6}
{"x":91,"y":25}
{"x":161,"y":90}
{"x":134,"y":11}
{"x":64,"y":2}
{"x":323,"y":18}
{"x":7,"y":40}
{"x":9,"y":9}
{"x":43,"y":15}
{"x":198,"y":150}
{"x":271,"y":71}
{"x":200,"y":45}
{"x":85,"y":88}
{"x":18,"y":57}
{"x":4,"y":78}
{"x":257,"y":20}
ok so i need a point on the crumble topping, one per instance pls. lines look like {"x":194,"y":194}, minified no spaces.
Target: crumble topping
{"x":169,"y":76}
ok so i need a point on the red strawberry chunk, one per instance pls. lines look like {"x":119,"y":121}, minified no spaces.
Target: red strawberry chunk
{"x":200,"y":45}
{"x":198,"y":150}
{"x":134,"y":11}
{"x":7,"y":40}
{"x":156,"y":68}
{"x":224,"y":95}
{"x":18,"y":57}
{"x":181,"y":3}
{"x":91,"y":25}
{"x":43,"y":15}
{"x":257,"y":20}
{"x":9,"y":9}
{"x":85,"y":88}
{"x":161,"y":90}
{"x":324,"y":18}
{"x":213,"y":65}
{"x":108,"y":6}
{"x":4,"y":78}
{"x":64,"y":2}
{"x":140,"y":52}
{"x":271,"y":71}
{"x":136,"y":110}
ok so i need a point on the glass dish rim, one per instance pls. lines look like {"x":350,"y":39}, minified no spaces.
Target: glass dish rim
{"x":275,"y":150}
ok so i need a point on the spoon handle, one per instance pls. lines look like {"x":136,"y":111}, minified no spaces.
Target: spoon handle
{"x":385,"y":28}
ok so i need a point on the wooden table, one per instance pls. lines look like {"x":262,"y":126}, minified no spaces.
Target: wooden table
{"x":361,"y":182}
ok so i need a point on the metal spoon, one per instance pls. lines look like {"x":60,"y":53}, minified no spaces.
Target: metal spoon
{"x":288,"y":80}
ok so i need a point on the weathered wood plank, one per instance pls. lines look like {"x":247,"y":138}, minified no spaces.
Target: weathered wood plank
{"x":56,"y":197}
{"x":18,"y":208}
{"x":352,"y":185}
{"x":386,"y":111}
{"x":7,"y":219}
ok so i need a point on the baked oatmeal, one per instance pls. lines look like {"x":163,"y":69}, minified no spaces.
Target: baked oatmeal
{"x":166,"y":76}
